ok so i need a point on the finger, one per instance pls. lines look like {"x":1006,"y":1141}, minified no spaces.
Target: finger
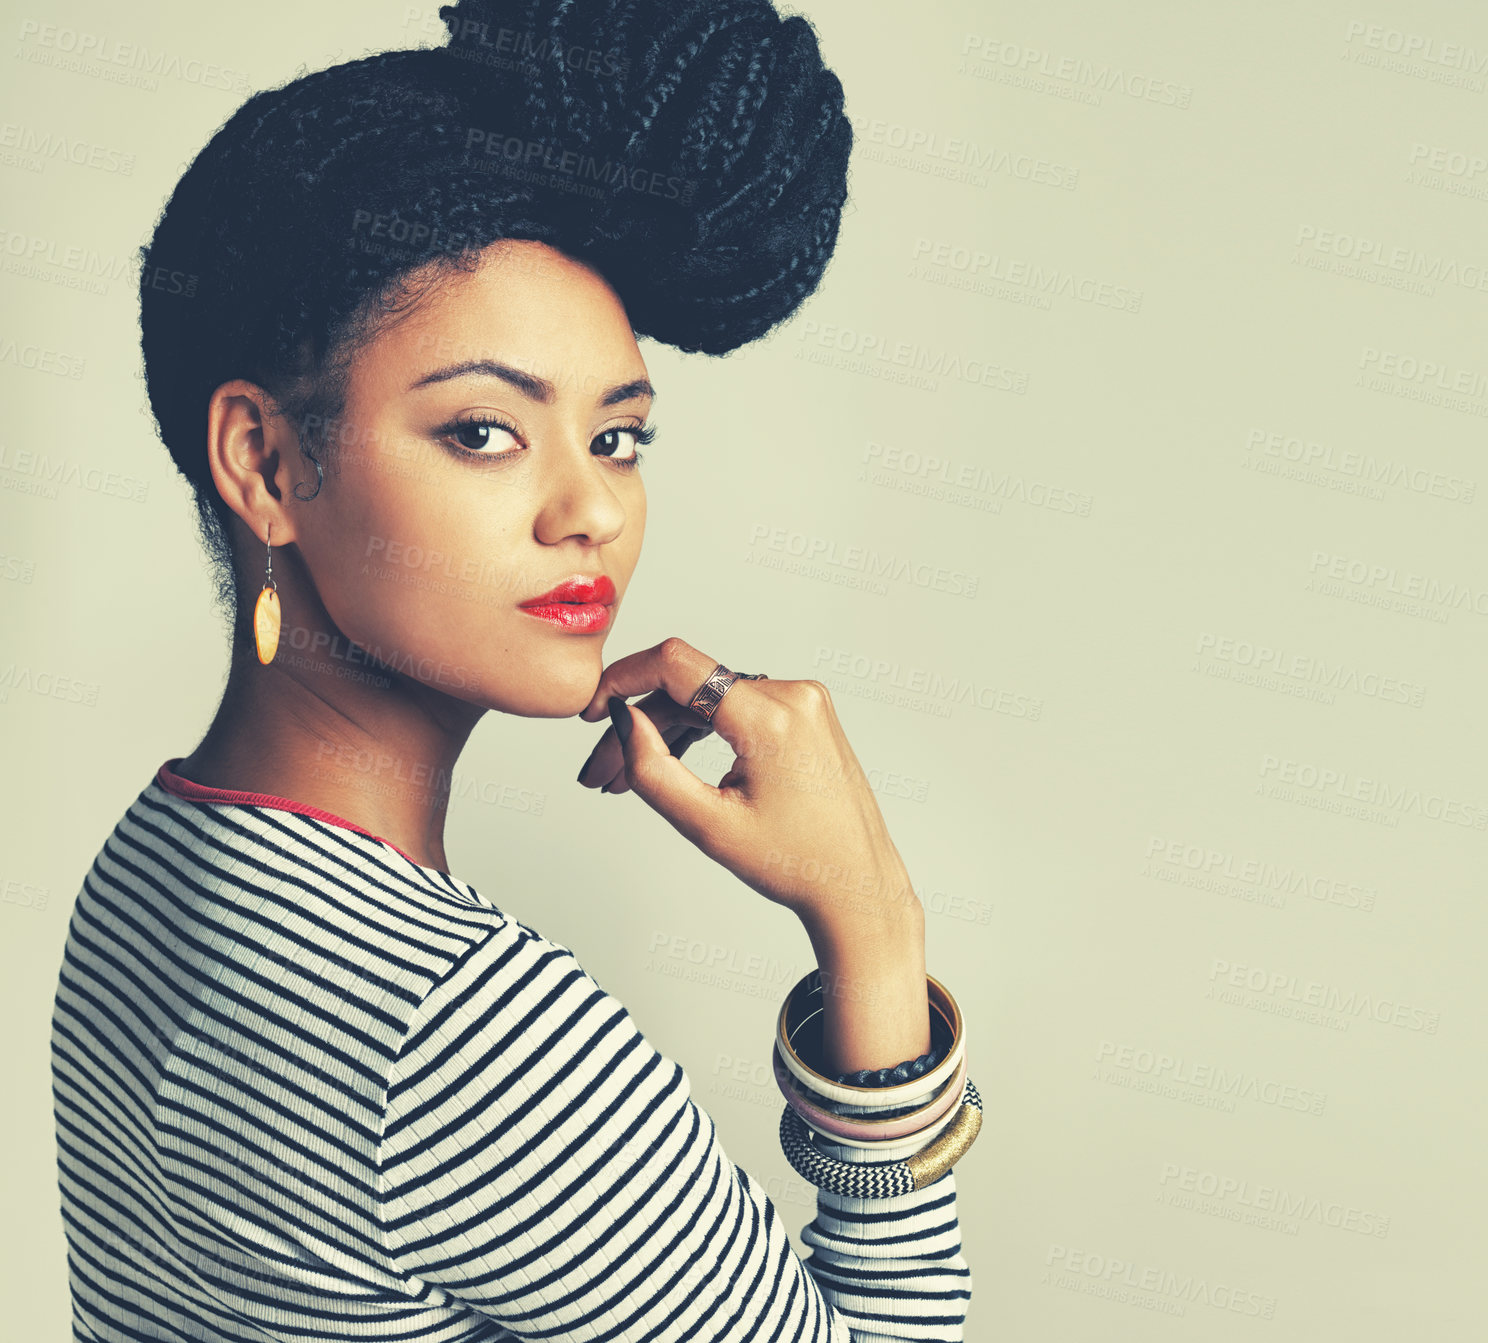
{"x":605,"y":761}
{"x":673,"y":668}
{"x":689,"y":736}
{"x":695,"y":809}
{"x":678,"y":738}
{"x":677,"y":668}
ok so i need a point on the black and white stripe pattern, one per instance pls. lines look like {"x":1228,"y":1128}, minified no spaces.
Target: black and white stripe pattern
{"x":307,"y":1089}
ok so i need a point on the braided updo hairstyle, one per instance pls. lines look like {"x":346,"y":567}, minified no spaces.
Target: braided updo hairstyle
{"x":694,"y":152}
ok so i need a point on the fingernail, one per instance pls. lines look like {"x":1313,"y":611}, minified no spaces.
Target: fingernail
{"x":620,"y":716}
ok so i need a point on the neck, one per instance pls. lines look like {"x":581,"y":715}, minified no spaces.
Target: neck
{"x":338,"y":730}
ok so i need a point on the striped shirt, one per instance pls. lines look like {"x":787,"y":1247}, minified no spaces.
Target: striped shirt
{"x":306,"y":1088}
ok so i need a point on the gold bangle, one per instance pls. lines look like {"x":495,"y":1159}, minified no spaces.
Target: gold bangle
{"x":932,"y":1162}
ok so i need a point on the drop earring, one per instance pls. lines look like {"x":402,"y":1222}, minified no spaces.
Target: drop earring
{"x":266,"y":610}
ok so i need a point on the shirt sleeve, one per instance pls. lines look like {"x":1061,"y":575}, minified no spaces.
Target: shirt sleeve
{"x":542,"y":1165}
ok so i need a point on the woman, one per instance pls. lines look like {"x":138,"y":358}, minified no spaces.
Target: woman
{"x":308,"y":1083}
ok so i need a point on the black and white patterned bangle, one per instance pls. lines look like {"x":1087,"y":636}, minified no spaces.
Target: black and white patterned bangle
{"x":881,"y":1179}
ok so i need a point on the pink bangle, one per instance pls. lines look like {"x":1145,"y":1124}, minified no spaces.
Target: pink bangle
{"x":860,"y":1132}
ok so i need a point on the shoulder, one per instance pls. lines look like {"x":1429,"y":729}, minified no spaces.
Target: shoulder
{"x":288,"y":906}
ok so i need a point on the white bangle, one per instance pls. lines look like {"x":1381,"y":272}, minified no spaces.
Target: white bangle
{"x":799,"y":1013}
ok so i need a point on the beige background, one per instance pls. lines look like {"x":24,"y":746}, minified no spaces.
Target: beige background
{"x":1265,"y":449}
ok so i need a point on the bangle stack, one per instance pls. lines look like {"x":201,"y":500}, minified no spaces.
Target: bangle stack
{"x":902,"y":1136}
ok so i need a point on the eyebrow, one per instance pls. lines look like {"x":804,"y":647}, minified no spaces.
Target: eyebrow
{"x":529,"y":384}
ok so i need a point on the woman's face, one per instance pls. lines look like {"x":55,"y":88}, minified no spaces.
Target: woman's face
{"x":433,"y":528}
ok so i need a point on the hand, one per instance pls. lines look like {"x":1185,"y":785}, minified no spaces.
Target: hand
{"x":794,"y":818}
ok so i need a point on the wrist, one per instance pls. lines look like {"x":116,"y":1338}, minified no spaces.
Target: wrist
{"x":883,"y":966}
{"x":885,"y":935}
{"x":874,"y":999}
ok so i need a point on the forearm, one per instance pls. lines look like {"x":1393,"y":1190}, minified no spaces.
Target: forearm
{"x":874,"y":1002}
{"x":891,"y":1264}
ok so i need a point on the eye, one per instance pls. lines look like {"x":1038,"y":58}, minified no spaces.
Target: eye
{"x":611,"y":443}
{"x":473,"y":434}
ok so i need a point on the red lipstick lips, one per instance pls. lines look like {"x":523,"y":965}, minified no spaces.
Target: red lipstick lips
{"x":580,"y":604}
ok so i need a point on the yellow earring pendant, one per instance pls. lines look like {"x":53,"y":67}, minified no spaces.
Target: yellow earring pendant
{"x":266,"y":624}
{"x":266,"y":615}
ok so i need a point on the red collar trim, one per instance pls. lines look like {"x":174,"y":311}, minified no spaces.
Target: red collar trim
{"x":181,"y":786}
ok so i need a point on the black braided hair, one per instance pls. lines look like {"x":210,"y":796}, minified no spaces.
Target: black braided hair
{"x":694,"y":152}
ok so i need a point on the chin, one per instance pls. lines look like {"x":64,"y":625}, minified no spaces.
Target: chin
{"x":552,"y":687}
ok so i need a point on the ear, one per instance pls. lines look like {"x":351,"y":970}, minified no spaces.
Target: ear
{"x":253,"y":456}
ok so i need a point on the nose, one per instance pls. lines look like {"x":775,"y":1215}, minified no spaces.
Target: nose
{"x":578,"y":498}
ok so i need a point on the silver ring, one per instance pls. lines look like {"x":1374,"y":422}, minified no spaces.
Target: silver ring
{"x":710,"y":694}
